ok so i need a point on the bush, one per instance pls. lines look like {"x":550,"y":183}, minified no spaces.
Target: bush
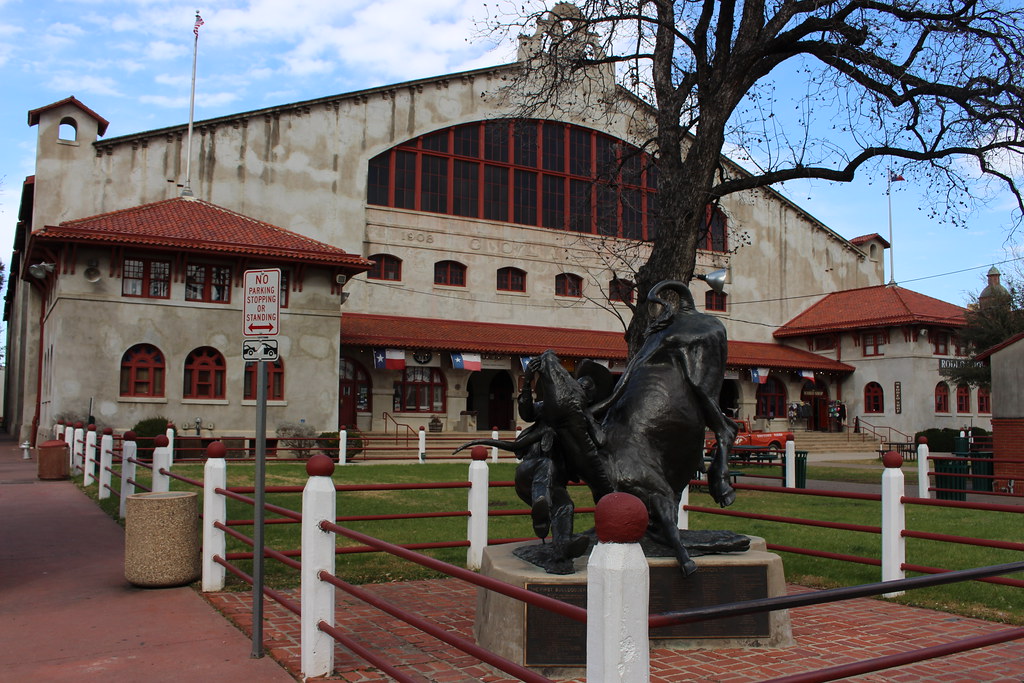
{"x":941,"y":440}
{"x":329,"y":443}
{"x":297,"y":437}
{"x":145,"y":430}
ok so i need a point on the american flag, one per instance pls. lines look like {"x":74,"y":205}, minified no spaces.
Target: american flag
{"x":199,"y":22}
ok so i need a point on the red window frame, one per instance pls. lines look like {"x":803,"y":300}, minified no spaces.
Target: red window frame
{"x":941,"y":397}
{"x":421,"y":390}
{"x":450,"y":274}
{"x":142,"y":372}
{"x":152,"y":276}
{"x":621,"y":290}
{"x":963,"y":398}
{"x":984,"y":401}
{"x":204,"y":374}
{"x":511,"y":279}
{"x":824,"y":342}
{"x":715,"y":301}
{"x":770,"y":399}
{"x":208,"y":283}
{"x":871,"y":344}
{"x":716,"y":230}
{"x":940,"y":343}
{"x":275,"y":381}
{"x":355,"y":376}
{"x":385,"y":267}
{"x":874,"y":398}
{"x":568,"y":284}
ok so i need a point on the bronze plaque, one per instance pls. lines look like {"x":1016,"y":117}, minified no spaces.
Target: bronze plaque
{"x":554,"y":640}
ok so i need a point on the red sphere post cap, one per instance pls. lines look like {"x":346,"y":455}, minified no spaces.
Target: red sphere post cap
{"x":892,"y":459}
{"x":217,"y":449}
{"x":620,"y":518}
{"x":478,"y":453}
{"x":161,"y":440}
{"x":91,"y":427}
{"x":129,"y":436}
{"x":922,"y":439}
{"x":320,"y":466}
{"x":790,"y":437}
{"x":79,"y":425}
{"x":108,"y":430}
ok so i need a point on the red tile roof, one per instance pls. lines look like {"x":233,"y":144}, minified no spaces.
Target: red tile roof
{"x":857,"y":241}
{"x":33,"y":116}
{"x":195,"y":225}
{"x":368,"y":330}
{"x":868,"y":307}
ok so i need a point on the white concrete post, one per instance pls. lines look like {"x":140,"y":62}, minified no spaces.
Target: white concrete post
{"x":317,"y":597}
{"x":161,"y":460}
{"x":58,"y":430}
{"x":922,"y":468}
{"x":618,"y":588}
{"x":90,"y":456}
{"x":170,"y":440}
{"x":423,"y":444}
{"x":478,"y":507}
{"x":494,"y":449}
{"x":106,"y":461}
{"x":129,"y":451}
{"x":894,"y":546}
{"x":790,"y":464}
{"x":684,"y":514}
{"x":70,"y":440}
{"x":343,"y":446}
{"x":215,"y":509}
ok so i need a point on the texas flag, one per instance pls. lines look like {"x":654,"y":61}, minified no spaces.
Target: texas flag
{"x":759,"y":375}
{"x":807,"y":374}
{"x":389,"y":359}
{"x":466,"y":361}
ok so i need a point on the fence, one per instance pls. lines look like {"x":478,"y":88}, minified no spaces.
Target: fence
{"x":320,"y":528}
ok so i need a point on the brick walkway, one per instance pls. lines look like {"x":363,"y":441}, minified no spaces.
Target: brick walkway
{"x":826,"y":635}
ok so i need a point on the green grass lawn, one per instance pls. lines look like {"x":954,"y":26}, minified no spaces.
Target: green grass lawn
{"x":983,"y":600}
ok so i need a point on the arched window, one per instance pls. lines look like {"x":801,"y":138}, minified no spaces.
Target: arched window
{"x":963,"y":398}
{"x":715,"y":301}
{"x":511,"y":280}
{"x":941,"y":398}
{"x":275,"y":381}
{"x":67,"y":131}
{"x":204,"y":374}
{"x":620,"y":290}
{"x":451,"y":273}
{"x":385,"y":267}
{"x":874,"y":398}
{"x":984,"y":401}
{"x":142,"y":371}
{"x":717,"y":232}
{"x":567,"y":284}
{"x":771,"y":399}
{"x":421,"y":390}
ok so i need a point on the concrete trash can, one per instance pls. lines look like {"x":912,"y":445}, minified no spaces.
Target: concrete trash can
{"x":161,"y":539}
{"x":54,"y":460}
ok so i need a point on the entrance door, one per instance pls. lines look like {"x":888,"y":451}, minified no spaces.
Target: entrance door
{"x":353,"y":392}
{"x":500,"y":401}
{"x":816,"y":394}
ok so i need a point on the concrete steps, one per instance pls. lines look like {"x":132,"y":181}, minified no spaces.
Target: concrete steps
{"x":834,"y":442}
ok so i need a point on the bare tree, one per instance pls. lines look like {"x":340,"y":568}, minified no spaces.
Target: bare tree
{"x":797,"y":89}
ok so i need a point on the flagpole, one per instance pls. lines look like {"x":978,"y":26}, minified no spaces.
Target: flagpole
{"x":888,"y":191}
{"x":187,"y":189}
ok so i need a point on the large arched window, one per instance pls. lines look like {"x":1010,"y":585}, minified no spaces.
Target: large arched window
{"x":621,"y":290}
{"x":421,"y":390}
{"x":385,"y":267}
{"x":771,"y":399}
{"x":204,"y":374}
{"x":567,"y":284}
{"x":874,"y":398}
{"x":941,"y":397}
{"x":984,"y":401}
{"x":451,"y":273}
{"x":963,"y":399}
{"x":511,"y":280}
{"x":142,"y":371}
{"x":275,"y":381}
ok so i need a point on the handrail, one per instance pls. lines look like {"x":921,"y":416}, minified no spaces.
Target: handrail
{"x":388,"y":417}
{"x":874,"y":430}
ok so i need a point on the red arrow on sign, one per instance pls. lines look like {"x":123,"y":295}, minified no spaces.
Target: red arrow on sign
{"x":256,"y":328}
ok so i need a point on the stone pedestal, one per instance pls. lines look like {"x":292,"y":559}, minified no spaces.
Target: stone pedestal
{"x":161,"y":539}
{"x":53,"y":460}
{"x":538,"y":638}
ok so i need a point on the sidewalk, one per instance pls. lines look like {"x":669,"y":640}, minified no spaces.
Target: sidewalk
{"x":67,"y":613}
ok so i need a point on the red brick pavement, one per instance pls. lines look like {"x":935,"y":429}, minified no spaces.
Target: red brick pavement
{"x":826,"y":635}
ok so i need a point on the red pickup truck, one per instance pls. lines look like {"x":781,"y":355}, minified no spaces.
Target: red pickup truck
{"x":755,"y":439}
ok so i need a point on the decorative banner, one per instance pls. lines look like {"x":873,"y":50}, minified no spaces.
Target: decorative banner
{"x":759,"y":375}
{"x":807,"y":374}
{"x":389,"y":359}
{"x":466,"y":361}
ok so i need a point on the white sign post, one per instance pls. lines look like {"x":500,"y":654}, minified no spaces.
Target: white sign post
{"x":260,"y":327}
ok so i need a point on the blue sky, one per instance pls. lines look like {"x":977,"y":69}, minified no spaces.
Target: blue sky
{"x":130,"y":61}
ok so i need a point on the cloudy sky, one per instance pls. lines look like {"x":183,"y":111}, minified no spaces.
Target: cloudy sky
{"x":130,"y":61}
